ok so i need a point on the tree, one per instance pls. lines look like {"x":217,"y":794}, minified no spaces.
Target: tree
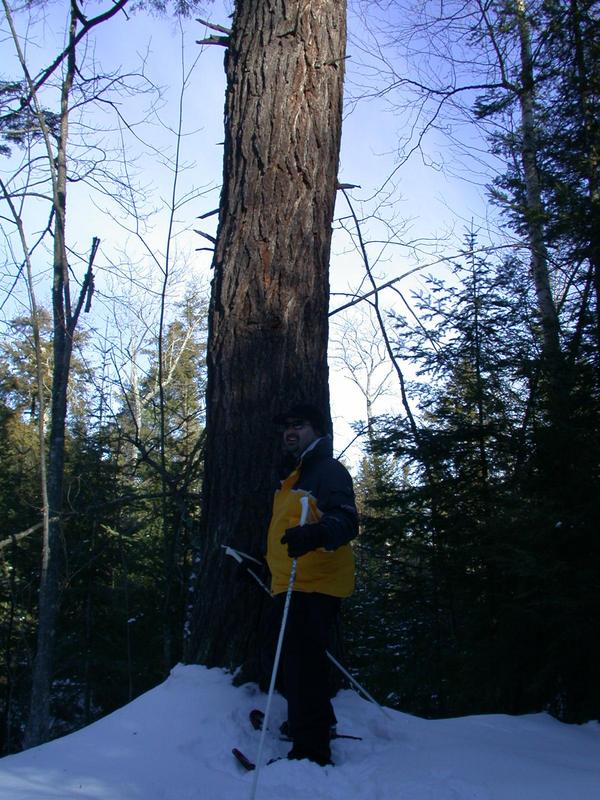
{"x":66,"y":312}
{"x":570,"y":145}
{"x":433,"y":532}
{"x":362,"y":354}
{"x":60,"y":156}
{"x":163,"y":418}
{"x":23,"y":414}
{"x":268,"y":315}
{"x":123,"y":583}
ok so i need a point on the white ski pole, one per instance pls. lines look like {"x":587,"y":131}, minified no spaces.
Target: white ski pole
{"x":355,"y":683}
{"x":239,"y":556}
{"x":303,"y":517}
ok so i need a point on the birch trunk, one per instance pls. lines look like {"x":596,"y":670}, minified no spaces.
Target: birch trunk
{"x":535,"y":210}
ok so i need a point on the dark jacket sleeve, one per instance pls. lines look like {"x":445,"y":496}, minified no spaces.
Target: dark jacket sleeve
{"x":335,"y":499}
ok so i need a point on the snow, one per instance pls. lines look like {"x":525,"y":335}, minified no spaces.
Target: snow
{"x":174,"y":743}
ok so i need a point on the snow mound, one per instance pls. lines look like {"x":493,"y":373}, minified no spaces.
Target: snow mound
{"x":174,"y":743}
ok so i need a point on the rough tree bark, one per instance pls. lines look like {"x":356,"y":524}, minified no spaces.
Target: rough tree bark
{"x":268,"y":319}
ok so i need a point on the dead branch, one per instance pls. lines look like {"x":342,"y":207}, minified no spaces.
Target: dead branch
{"x":223,"y":41}
{"x":206,"y":236}
{"x":443,"y":259}
{"x":213,"y":26}
{"x":87,"y":290}
{"x":15,"y":537}
{"x":208,"y":214}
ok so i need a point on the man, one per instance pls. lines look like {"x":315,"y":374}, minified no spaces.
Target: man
{"x":324,"y":575}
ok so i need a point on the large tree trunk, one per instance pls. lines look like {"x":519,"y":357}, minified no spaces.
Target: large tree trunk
{"x":268,"y":319}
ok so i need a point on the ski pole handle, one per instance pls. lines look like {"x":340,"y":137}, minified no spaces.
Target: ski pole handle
{"x":305,"y":508}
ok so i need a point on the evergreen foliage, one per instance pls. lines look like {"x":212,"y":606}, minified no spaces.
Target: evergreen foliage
{"x":124,"y":578}
{"x":479,"y":550}
{"x":478,"y":557}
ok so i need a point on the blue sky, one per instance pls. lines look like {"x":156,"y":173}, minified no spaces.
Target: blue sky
{"x":424,"y":202}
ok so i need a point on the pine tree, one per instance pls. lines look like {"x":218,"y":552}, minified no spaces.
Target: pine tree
{"x":268,"y":316}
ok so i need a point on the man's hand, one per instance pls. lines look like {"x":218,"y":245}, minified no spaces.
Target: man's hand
{"x":303,"y":539}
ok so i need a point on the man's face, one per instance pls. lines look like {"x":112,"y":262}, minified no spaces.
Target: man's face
{"x":298,"y":434}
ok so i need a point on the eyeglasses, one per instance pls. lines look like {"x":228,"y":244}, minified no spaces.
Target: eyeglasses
{"x":293,"y":424}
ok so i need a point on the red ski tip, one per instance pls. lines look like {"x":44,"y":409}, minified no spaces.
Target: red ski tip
{"x":243,"y":760}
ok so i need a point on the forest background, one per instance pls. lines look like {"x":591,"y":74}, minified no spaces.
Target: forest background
{"x":466,"y":249}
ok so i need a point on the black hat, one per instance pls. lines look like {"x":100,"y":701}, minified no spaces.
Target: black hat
{"x":304,"y":411}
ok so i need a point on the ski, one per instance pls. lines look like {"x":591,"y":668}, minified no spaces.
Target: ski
{"x":250,"y":765}
{"x":243,"y":760}
{"x":256,"y":720}
{"x":256,"y":717}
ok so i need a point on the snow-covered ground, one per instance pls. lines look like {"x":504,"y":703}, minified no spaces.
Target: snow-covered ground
{"x":174,"y":743}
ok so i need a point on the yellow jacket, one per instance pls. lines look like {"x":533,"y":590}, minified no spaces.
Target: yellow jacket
{"x":328,"y":486}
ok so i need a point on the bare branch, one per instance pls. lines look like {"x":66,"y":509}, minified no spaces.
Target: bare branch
{"x":16,"y":537}
{"x":223,"y":41}
{"x":87,"y":27}
{"x":87,"y":289}
{"x":208,"y":214}
{"x":214,"y":27}
{"x":206,"y":236}
{"x":441,"y":260}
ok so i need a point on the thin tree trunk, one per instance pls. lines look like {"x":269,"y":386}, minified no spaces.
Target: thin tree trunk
{"x":535,"y":209}
{"x":39,"y":723}
{"x":7,"y":710}
{"x":89,"y":630}
{"x":268,"y":318}
{"x":126,"y":615}
{"x":65,"y":323}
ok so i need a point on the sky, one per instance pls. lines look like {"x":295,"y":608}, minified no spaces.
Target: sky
{"x":424,"y":202}
{"x":175,"y":742}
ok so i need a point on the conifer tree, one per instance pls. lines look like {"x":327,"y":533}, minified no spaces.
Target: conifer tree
{"x":268,"y":315}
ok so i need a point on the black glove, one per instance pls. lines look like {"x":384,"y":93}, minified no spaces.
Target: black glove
{"x":303,"y":539}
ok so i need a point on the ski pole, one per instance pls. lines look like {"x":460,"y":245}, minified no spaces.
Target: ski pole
{"x":356,"y":683}
{"x":239,"y":556}
{"x":303,"y":516}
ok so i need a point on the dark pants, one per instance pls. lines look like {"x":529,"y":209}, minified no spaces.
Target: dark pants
{"x":304,"y":672}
